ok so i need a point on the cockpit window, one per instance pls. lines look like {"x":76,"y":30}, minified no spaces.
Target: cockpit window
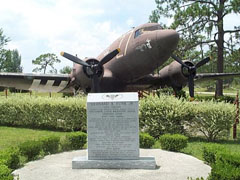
{"x":138,"y":32}
{"x":145,"y":29}
{"x":152,"y":28}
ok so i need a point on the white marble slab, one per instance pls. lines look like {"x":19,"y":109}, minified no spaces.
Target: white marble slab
{"x":113,"y":133}
{"x":113,"y":126}
{"x":142,"y":163}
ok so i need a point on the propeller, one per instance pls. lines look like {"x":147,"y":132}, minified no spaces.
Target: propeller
{"x":191,"y":72}
{"x":93,"y":67}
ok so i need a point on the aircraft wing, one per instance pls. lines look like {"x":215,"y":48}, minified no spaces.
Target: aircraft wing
{"x":36,"y":82}
{"x":215,"y":76}
{"x":156,"y":82}
{"x":149,"y":81}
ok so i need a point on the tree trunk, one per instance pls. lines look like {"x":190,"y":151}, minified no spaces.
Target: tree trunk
{"x":45,"y":67}
{"x":220,"y":45}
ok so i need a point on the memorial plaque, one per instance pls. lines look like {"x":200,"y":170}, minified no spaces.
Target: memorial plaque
{"x":113,"y":125}
{"x":113,"y":134}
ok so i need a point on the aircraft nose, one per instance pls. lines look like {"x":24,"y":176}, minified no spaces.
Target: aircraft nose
{"x":167,"y":39}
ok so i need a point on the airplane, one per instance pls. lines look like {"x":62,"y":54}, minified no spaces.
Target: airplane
{"x":126,"y":65}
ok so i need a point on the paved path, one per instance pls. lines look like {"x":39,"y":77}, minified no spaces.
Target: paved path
{"x":172,"y":166}
{"x":213,"y":93}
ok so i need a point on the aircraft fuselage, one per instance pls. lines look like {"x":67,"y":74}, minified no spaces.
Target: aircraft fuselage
{"x":142,"y":50}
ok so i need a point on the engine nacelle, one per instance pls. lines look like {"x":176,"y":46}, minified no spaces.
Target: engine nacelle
{"x":175,"y":75}
{"x":81,"y":75}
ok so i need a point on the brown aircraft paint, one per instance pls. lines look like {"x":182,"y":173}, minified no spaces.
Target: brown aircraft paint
{"x":139,"y":56}
{"x":143,"y":49}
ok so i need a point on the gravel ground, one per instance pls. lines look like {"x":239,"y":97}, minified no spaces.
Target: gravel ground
{"x":171,"y":166}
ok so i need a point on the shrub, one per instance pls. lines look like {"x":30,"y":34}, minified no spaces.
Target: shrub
{"x":44,"y":113}
{"x":210,"y":152}
{"x":164,"y":114}
{"x":213,"y":119}
{"x":10,"y":158}
{"x":30,"y":149}
{"x":77,"y":140}
{"x":5,"y":173}
{"x":50,"y":144}
{"x":146,"y":141}
{"x":226,"y":99}
{"x":224,"y":171}
{"x":230,"y":158}
{"x":225,"y":164}
{"x":174,"y":142}
{"x":167,"y":114}
{"x":65,"y":145}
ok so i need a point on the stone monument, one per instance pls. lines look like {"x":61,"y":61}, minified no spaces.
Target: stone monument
{"x":113,"y":133}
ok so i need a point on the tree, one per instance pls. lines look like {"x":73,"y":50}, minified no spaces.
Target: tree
{"x":3,"y":42}
{"x":45,"y":60}
{"x":66,"y":70}
{"x":201,"y":22}
{"x":3,"y":39}
{"x":11,"y":61}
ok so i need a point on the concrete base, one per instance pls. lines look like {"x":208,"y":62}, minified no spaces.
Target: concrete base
{"x":141,"y":163}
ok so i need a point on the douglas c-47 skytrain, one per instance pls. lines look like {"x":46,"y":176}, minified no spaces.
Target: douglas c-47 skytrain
{"x":126,"y":65}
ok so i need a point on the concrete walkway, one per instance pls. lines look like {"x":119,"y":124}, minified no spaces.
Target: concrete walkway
{"x":172,"y":166}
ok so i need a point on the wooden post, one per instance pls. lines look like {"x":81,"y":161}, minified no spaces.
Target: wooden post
{"x":237,"y":117}
{"x":6,"y":92}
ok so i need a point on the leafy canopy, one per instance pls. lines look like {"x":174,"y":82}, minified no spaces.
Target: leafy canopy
{"x":66,"y":70}
{"x":201,"y":22}
{"x":45,"y":60}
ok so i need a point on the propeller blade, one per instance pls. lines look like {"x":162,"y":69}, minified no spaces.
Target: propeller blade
{"x":191,"y":85}
{"x":202,"y":62}
{"x":74,"y":59}
{"x":179,"y":60}
{"x":109,"y":56}
{"x":95,"y":83}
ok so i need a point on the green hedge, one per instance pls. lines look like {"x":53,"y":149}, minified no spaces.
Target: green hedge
{"x":50,"y":145}
{"x":10,"y":157}
{"x":224,"y":171}
{"x":76,"y":140}
{"x":213,"y":119}
{"x":230,"y":158}
{"x":227,"y":99}
{"x":167,"y":114}
{"x":173,"y":142}
{"x":42,"y":112}
{"x":157,"y":115}
{"x":146,"y":141}
{"x":5,"y":173}
{"x":30,"y":149}
{"x":210,"y":152}
{"x":225,"y":164}
{"x":164,"y":114}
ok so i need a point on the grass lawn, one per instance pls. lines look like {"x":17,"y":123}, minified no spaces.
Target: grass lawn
{"x":195,"y":146}
{"x":10,"y":136}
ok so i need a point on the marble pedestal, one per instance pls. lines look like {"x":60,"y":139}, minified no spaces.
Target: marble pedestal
{"x":82,"y":162}
{"x":113,"y":133}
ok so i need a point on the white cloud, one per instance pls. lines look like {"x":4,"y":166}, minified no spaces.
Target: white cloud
{"x":78,"y":27}
{"x":130,"y":22}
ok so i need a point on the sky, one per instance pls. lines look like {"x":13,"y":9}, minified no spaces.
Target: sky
{"x":82,"y":27}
